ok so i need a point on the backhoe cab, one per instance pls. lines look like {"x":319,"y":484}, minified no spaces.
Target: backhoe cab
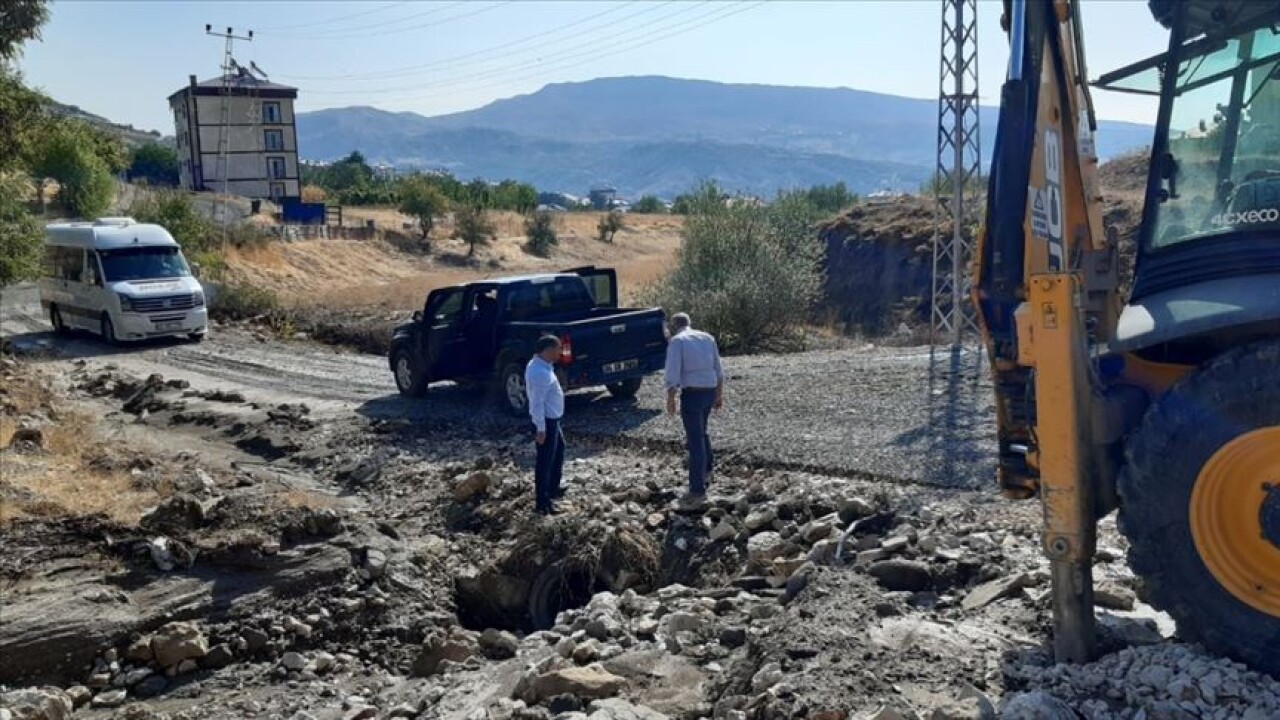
{"x":1165,"y":404}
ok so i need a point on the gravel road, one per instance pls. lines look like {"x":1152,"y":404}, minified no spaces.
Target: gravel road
{"x":869,"y":412}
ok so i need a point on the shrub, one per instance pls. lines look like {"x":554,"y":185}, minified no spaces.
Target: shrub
{"x":541,"y":233}
{"x":609,"y":226}
{"x":749,"y":275}
{"x":313,"y":194}
{"x":174,"y":211}
{"x":243,"y":302}
{"x":155,"y":163}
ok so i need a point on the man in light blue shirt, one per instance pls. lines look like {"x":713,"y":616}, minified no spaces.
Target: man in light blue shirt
{"x":694,"y":373}
{"x":546,"y":408}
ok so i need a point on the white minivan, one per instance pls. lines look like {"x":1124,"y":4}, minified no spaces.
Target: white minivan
{"x":122,"y":279}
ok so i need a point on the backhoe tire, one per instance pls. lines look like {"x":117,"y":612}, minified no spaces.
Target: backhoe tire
{"x":1196,"y":505}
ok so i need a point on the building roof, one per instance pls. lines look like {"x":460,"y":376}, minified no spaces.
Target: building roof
{"x":239,"y":84}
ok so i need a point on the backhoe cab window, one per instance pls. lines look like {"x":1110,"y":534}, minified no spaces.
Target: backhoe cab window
{"x":1222,"y":174}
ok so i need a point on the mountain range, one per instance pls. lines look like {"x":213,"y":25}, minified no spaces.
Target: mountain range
{"x":663,"y":135}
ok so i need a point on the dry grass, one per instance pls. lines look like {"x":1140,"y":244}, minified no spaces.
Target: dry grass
{"x":337,"y":274}
{"x":62,"y":480}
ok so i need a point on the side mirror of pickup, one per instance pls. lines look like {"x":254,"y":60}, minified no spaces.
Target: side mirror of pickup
{"x":417,"y":316}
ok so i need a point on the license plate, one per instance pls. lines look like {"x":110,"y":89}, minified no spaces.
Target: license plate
{"x":168,"y":326}
{"x":621,"y":366}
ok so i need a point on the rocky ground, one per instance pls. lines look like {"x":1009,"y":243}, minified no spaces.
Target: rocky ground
{"x":244,"y":539}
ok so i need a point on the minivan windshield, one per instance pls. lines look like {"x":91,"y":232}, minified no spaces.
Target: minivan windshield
{"x":143,"y":263}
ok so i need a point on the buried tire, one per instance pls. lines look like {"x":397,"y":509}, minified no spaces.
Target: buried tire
{"x":557,"y":588}
{"x":1200,"y":499}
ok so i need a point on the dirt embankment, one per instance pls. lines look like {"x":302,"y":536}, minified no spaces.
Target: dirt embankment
{"x":879,"y":256}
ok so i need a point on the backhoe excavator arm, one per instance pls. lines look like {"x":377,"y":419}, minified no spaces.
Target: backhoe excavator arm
{"x":1046,"y":293}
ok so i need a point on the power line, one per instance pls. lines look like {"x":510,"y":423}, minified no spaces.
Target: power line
{"x":523,"y":64}
{"x":409,"y":28}
{"x":339,"y":18}
{"x":415,"y":69}
{"x":325,"y":33}
{"x":609,"y":53}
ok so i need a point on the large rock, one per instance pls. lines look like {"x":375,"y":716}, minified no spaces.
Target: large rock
{"x":176,"y":642}
{"x":615,"y":709}
{"x":498,"y":644}
{"x":1036,"y":705}
{"x":590,"y":682}
{"x":473,"y":485}
{"x":764,"y":547}
{"x":897,"y":574}
{"x":988,"y":593}
{"x":175,"y":515}
{"x":48,"y":703}
{"x":457,"y":645}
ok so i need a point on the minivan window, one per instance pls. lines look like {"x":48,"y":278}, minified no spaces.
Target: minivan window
{"x":63,"y":263}
{"x":143,"y":263}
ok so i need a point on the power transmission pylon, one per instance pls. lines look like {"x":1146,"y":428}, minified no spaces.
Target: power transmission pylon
{"x":953,"y":402}
{"x":959,"y":165}
{"x":224,"y":130}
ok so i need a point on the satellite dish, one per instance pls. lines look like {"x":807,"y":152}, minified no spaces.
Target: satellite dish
{"x":253,"y":66}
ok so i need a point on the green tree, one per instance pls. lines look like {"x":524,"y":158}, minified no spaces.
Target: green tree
{"x":21,"y":237}
{"x":71,"y":152}
{"x":609,"y":226}
{"x":472,"y":226}
{"x":748,"y":274}
{"x":20,"y":21}
{"x":649,"y":205}
{"x":155,"y":163}
{"x":173,"y":210}
{"x":21,"y":116}
{"x":541,"y":231}
{"x":423,"y":201}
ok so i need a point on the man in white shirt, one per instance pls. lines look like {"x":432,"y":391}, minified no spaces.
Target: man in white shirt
{"x":546,"y":408}
{"x":694,"y":373}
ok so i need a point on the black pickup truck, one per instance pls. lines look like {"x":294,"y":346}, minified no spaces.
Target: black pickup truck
{"x":484,"y":333}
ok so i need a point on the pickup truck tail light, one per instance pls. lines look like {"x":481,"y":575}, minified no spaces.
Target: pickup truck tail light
{"x":566,"y":350}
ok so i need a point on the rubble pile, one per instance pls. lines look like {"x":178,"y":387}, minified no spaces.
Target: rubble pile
{"x":1154,"y":682}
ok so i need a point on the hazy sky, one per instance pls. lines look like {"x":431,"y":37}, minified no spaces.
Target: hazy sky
{"x":122,"y":59}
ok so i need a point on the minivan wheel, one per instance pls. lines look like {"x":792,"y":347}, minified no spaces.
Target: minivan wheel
{"x":108,"y":330}
{"x":514,"y":397}
{"x":55,"y":319}
{"x":196,"y":337}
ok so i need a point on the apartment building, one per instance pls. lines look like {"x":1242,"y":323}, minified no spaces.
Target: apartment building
{"x":237,"y":133}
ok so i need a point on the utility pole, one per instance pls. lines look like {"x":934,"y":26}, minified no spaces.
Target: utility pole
{"x":959,"y":164}
{"x":224,"y":130}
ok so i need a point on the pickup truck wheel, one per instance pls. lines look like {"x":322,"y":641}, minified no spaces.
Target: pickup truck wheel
{"x":409,"y":381}
{"x":625,"y":389}
{"x":513,"y":393}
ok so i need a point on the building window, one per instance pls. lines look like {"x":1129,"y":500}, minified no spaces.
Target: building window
{"x":271,"y":113}
{"x":277,"y":191}
{"x":274,"y":140}
{"x":275,"y":168}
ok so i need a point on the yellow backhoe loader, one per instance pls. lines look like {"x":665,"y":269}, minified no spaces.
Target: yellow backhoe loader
{"x":1164,"y":404}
